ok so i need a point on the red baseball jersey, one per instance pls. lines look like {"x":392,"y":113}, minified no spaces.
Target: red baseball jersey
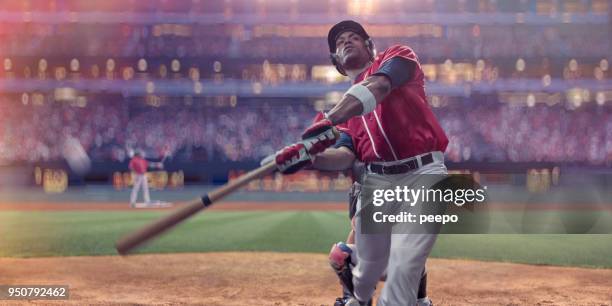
{"x":139,"y":165}
{"x":402,"y":125}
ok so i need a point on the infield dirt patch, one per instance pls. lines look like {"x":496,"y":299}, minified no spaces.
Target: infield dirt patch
{"x":291,"y":279}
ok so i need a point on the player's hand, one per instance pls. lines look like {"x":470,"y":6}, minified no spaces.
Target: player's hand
{"x":292,"y":158}
{"x":319,"y":136}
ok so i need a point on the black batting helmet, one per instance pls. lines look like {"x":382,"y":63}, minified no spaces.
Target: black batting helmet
{"x":345,"y":26}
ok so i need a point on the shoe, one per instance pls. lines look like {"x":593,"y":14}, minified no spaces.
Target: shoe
{"x":424,"y":302}
{"x":350,"y":301}
{"x":132,"y":205}
{"x":354,"y":302}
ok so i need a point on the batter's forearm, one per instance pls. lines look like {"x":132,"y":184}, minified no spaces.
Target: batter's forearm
{"x":350,"y":106}
{"x":334,"y":159}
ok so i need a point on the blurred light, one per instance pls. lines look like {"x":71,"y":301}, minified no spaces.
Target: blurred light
{"x":520,"y":65}
{"x":128,"y":73}
{"x":586,"y":95}
{"x":60,"y":73}
{"x":8,"y":64}
{"x":175,"y":65}
{"x":194,"y":74}
{"x":74,"y":65}
{"x":598,"y":73}
{"x":604,"y":65}
{"x":25,"y":98}
{"x":600,"y":98}
{"x":257,"y":88}
{"x":197,"y":87}
{"x":435,"y":101}
{"x":448,"y":64}
{"x":42,"y":65}
{"x":333,"y":97}
{"x":574,"y":96}
{"x":282,"y":71}
{"x":38,"y":99}
{"x":163,"y":71}
{"x":142,"y":65}
{"x":217,"y":66}
{"x":319,"y":105}
{"x":65,"y":94}
{"x":467,"y":153}
{"x":110,"y":64}
{"x":150,"y":87}
{"x":531,"y":100}
{"x":81,"y":101}
{"x":157,"y":30}
{"x":233,"y":101}
{"x":95,"y":71}
{"x":546,"y":80}
{"x":480,"y":65}
{"x":573,"y":65}
{"x":331,"y":75}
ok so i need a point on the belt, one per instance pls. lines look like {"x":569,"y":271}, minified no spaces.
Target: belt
{"x":407,"y":166}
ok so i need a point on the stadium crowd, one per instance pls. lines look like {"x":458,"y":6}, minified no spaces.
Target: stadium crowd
{"x":468,"y":41}
{"x":109,"y":130}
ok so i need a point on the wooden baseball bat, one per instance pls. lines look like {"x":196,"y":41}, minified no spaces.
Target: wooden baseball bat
{"x":133,"y":240}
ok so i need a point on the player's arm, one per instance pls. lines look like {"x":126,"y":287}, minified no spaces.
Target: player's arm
{"x":334,"y":159}
{"x":337,"y":158}
{"x":363,"y":97}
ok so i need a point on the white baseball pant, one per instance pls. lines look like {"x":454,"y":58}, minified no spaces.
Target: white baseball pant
{"x":403,"y":256}
{"x":140,"y":180}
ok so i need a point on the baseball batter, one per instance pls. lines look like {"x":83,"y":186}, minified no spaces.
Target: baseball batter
{"x":340,"y":253}
{"x":394,"y":132}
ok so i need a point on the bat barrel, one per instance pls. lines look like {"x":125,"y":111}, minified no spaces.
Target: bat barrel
{"x":131,"y":241}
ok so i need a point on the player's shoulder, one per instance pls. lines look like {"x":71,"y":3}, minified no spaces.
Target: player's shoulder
{"x":398,"y":50}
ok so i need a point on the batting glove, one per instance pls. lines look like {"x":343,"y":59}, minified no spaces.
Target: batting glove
{"x":292,"y":158}
{"x":319,"y":136}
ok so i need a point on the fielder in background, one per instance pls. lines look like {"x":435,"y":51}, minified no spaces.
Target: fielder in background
{"x":396,"y":135}
{"x":139,"y":166}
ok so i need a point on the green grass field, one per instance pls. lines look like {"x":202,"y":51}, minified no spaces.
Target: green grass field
{"x":38,"y":234}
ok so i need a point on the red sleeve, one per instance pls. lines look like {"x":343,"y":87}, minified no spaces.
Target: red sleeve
{"x":318,"y":117}
{"x":399,"y":51}
{"x":343,"y":127}
{"x":402,"y":52}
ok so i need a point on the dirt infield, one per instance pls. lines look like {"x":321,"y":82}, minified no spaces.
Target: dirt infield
{"x":292,"y":279}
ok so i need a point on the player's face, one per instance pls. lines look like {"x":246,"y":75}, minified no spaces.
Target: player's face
{"x":351,"y":50}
